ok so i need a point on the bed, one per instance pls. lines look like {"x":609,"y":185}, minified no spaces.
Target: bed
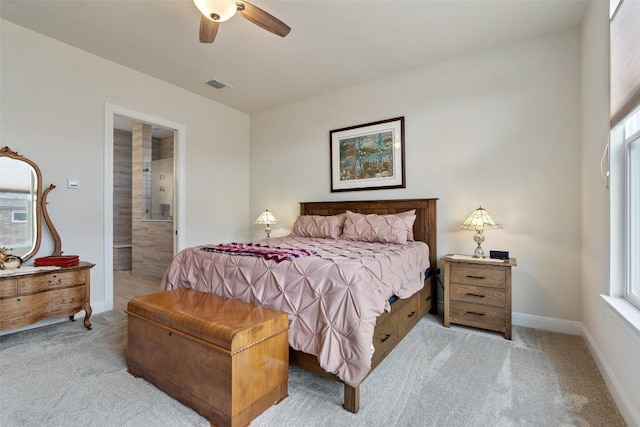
{"x":343,"y":302}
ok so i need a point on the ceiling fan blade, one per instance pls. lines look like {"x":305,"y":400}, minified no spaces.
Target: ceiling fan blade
{"x":208,"y":30}
{"x":263,"y":19}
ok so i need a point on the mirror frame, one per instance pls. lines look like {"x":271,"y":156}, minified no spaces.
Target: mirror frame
{"x":41,"y":206}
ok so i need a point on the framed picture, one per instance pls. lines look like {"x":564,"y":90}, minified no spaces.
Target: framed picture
{"x":368,"y":156}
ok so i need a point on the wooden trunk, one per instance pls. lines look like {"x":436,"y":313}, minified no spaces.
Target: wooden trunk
{"x":226,"y":359}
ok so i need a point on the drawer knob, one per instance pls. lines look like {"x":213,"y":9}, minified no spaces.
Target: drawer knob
{"x":471,"y":294}
{"x":386,"y":337}
{"x":410,"y":315}
{"x":475,"y":277}
{"x":68,"y":301}
{"x":475,"y":313}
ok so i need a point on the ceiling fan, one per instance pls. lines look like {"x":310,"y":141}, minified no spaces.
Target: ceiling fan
{"x":216,"y":11}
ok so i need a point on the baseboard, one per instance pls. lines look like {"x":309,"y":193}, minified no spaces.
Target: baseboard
{"x":38,"y":324}
{"x":622,"y":401}
{"x":552,"y":324}
{"x":547,"y":323}
{"x":96,"y":308}
{"x":539,"y":322}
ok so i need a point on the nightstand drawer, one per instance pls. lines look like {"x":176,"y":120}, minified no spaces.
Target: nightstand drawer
{"x":478,"y":276}
{"x":478,"y":295}
{"x":484,"y":316}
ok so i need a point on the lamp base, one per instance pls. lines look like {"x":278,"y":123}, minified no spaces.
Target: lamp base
{"x":479,"y":238}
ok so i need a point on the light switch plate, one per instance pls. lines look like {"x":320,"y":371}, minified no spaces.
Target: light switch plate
{"x":73,"y":183}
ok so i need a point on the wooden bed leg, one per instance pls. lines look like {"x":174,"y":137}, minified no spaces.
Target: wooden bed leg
{"x":351,"y":398}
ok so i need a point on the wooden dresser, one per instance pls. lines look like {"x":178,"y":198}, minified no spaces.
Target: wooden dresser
{"x":28,"y":298}
{"x":477,"y":292}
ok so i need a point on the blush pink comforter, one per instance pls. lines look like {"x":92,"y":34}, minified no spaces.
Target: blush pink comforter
{"x":333,"y":297}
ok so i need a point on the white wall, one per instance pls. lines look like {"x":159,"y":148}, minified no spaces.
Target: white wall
{"x":500,"y":129}
{"x":503,"y":128}
{"x":614,"y":345}
{"x":53,"y":111}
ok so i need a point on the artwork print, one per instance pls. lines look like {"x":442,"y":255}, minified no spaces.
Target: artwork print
{"x":369,"y":156}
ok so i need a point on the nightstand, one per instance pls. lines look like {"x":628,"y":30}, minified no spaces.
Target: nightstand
{"x":477,"y":292}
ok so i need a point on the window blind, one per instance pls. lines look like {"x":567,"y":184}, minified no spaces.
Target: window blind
{"x":625,"y":60}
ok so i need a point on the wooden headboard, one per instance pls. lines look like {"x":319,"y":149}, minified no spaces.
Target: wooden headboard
{"x":424,"y":228}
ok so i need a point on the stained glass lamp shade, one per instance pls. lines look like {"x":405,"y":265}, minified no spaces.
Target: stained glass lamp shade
{"x":480,"y":220}
{"x":267,"y":218}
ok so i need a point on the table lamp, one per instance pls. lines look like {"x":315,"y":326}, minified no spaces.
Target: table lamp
{"x":266,"y":217}
{"x":480,"y":220}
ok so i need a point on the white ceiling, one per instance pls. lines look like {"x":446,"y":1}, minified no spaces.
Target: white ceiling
{"x":333,"y":43}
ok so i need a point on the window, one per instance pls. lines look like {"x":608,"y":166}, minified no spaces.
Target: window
{"x":632,"y":207}
{"x":18,"y":216}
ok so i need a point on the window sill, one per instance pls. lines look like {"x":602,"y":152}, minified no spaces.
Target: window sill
{"x":627,"y":311}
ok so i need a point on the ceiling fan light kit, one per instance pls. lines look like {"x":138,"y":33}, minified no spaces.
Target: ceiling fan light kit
{"x":216,"y":11}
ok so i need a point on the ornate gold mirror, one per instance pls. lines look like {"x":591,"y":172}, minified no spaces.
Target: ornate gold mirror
{"x":22,"y":205}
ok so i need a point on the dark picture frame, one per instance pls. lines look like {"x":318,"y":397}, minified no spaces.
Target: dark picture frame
{"x":369,"y":156}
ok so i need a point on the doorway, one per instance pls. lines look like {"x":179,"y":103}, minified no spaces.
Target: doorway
{"x":143,"y":197}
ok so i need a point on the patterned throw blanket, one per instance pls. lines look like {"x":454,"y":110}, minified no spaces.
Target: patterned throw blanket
{"x":276,"y":253}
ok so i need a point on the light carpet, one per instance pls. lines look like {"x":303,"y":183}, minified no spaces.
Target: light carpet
{"x":64,"y":375}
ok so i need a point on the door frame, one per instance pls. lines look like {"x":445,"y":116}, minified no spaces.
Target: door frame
{"x":178,"y":177}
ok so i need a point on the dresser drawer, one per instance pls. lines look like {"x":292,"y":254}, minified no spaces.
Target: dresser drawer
{"x":50,"y":281}
{"x":8,"y":287}
{"x":478,"y":276}
{"x":484,"y":316}
{"x":32,"y":296}
{"x":478,"y":295}
{"x":27,"y":309}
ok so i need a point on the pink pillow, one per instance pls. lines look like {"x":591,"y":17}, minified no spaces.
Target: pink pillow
{"x":324,"y":227}
{"x":409,"y":217}
{"x":376,"y":228}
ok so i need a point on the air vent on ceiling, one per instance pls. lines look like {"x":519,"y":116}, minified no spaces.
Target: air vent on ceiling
{"x":217,"y":84}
